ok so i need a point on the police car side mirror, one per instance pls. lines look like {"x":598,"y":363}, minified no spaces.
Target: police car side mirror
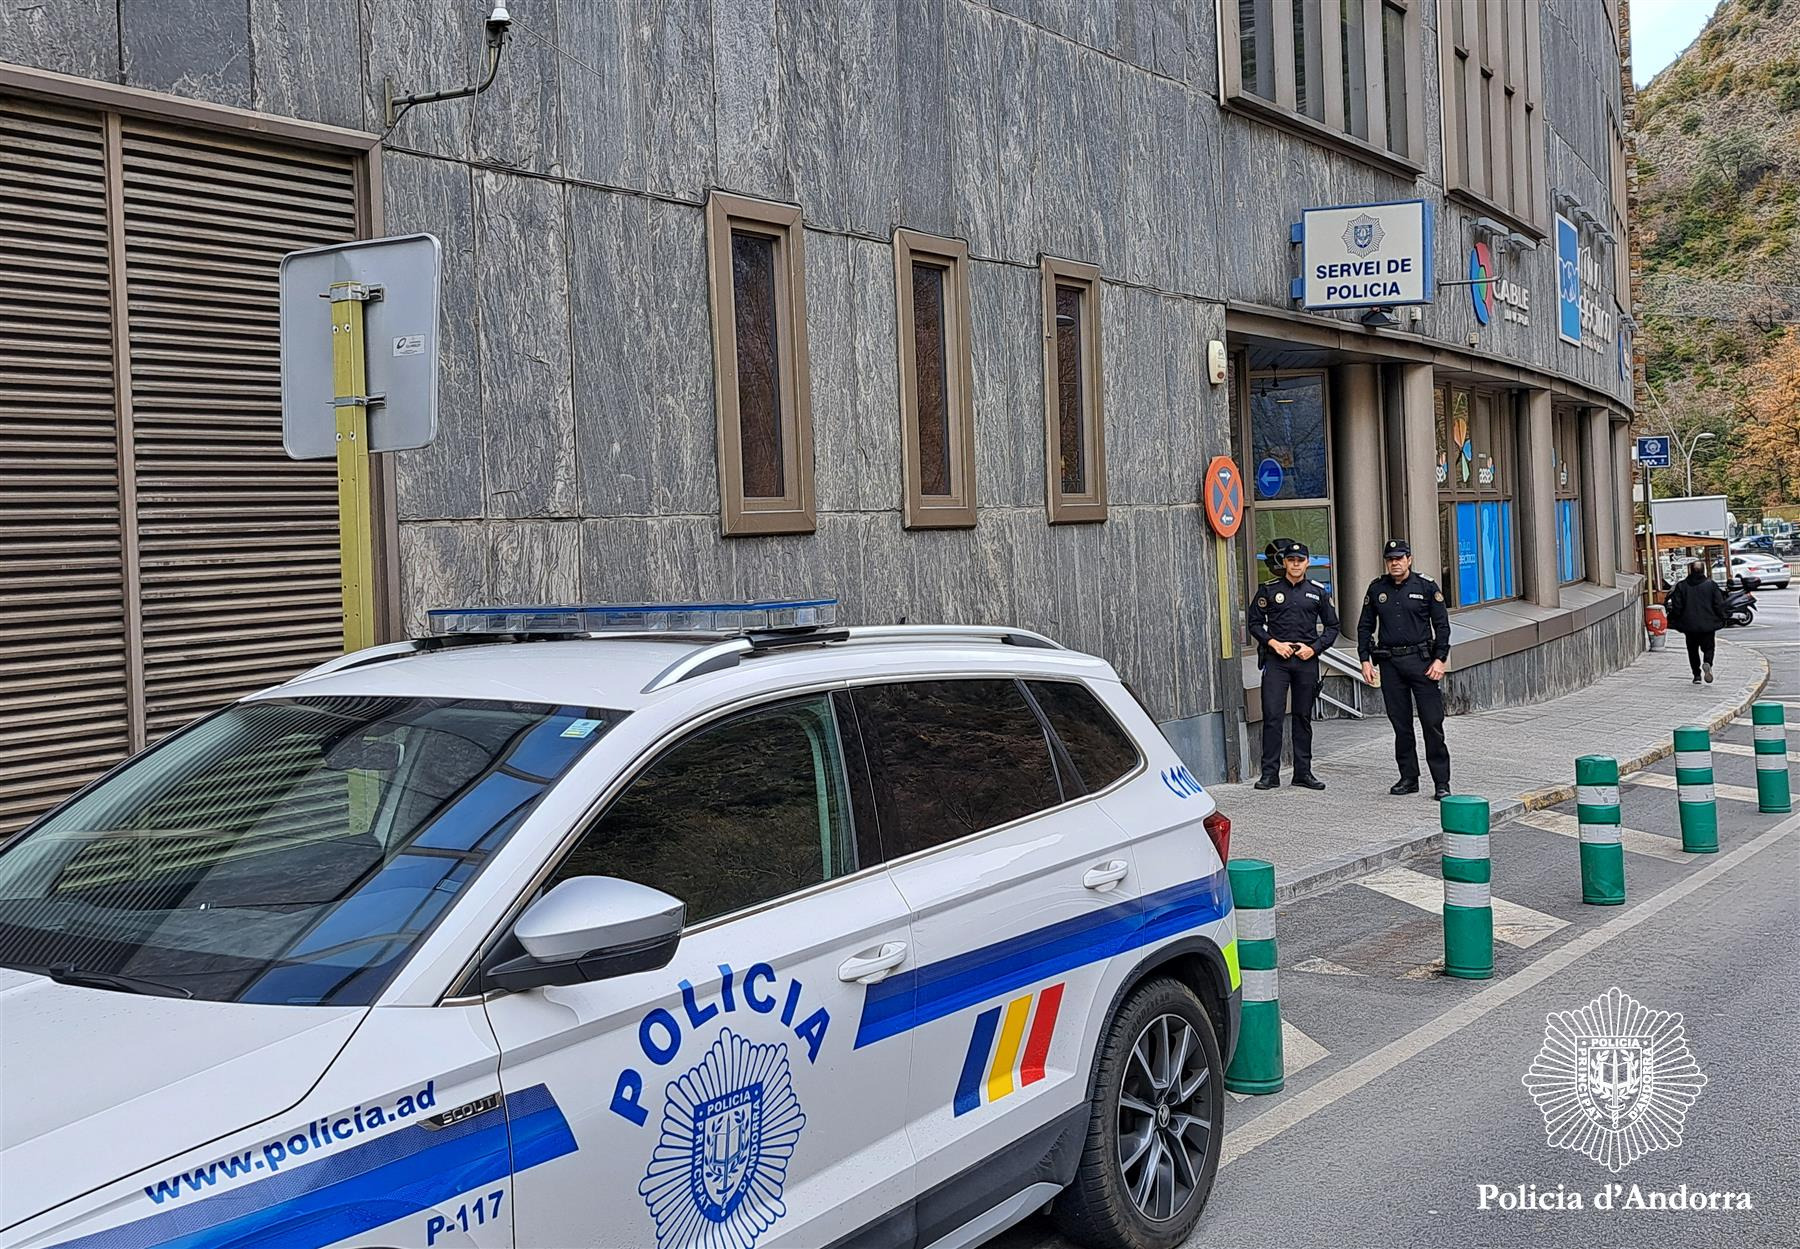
{"x":589,"y":928}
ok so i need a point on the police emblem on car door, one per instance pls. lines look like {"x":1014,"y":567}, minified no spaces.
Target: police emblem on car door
{"x":723,"y":1156}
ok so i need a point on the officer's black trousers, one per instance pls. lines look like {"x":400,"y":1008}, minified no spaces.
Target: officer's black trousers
{"x":1301,"y":676}
{"x":1404,"y":684}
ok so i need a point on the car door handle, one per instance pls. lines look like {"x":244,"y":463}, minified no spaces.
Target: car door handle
{"x":1104,"y":876}
{"x":871,"y":968}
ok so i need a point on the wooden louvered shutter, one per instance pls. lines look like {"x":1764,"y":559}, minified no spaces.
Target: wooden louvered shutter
{"x":237,"y":544}
{"x":159,"y":553}
{"x":64,"y":666}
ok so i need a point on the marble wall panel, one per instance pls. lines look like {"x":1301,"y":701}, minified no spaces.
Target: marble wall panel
{"x":517,"y":123}
{"x":522,"y":298}
{"x":78,"y":37}
{"x":443,"y":480}
{"x":746,"y":94}
{"x":1007,"y":317}
{"x":532,"y":561}
{"x":417,"y":46}
{"x":307,"y":58}
{"x":194,"y":48}
{"x":441,"y":565}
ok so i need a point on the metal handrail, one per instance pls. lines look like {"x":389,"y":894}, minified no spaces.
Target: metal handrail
{"x":1343,"y":667}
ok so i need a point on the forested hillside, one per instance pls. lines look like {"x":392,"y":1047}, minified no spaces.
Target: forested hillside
{"x":1719,"y":221}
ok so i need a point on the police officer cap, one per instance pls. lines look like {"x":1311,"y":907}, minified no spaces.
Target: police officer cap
{"x":1296,"y":549}
{"x":1395,"y":548}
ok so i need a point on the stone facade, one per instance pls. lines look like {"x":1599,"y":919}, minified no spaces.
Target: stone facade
{"x":576,"y":458}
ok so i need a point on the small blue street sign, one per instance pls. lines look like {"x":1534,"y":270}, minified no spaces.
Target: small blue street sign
{"x":1653,"y":452}
{"x":1269,"y":476}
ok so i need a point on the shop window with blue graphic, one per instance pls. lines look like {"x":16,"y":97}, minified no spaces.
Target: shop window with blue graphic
{"x":1566,"y":477}
{"x":1476,"y":438}
{"x":1289,"y":466}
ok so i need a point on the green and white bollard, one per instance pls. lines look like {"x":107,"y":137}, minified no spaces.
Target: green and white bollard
{"x":1468,"y":900}
{"x":1597,"y":811}
{"x":1772,"y":794}
{"x":1694,"y":790}
{"x":1256,"y":1067}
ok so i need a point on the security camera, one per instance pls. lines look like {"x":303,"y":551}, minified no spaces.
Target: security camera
{"x":498,"y":23}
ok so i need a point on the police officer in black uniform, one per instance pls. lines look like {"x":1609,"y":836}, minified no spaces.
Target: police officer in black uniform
{"x":1408,"y":612}
{"x":1292,"y":620}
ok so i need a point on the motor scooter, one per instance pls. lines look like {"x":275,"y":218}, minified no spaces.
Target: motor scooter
{"x":1740,"y":603}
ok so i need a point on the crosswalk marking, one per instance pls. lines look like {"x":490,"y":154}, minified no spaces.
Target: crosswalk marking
{"x":1732,"y":748}
{"x":1325,"y":967}
{"x":1747,"y":722}
{"x":1514,"y":924}
{"x":1634,"y":840}
{"x":1298,"y":1052}
{"x":1656,"y":780}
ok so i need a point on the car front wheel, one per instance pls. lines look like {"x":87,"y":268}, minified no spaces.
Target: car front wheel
{"x":1157,"y":1125}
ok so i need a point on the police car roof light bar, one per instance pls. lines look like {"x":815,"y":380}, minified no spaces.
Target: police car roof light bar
{"x":591,"y":619}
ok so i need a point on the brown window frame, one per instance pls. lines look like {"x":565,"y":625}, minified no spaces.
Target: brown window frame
{"x":1325,"y":52}
{"x":1499,"y":111}
{"x":955,"y":510}
{"x":1067,"y":508}
{"x":793,"y":510}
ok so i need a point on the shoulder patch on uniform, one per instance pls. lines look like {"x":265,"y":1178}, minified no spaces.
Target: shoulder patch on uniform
{"x":1261,"y":601}
{"x":1439,"y":596}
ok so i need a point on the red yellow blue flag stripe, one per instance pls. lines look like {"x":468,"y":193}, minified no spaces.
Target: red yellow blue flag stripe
{"x":1008,"y":1048}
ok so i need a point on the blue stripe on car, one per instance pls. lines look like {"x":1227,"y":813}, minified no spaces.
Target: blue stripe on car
{"x":361,"y":1188}
{"x":910,"y":999}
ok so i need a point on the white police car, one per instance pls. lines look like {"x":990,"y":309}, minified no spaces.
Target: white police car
{"x":782,"y":935}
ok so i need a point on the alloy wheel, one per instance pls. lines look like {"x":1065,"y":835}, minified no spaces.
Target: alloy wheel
{"x":1165,"y":1117}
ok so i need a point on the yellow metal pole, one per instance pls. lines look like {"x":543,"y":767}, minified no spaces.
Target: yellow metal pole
{"x":1227,"y":625}
{"x":356,"y":532}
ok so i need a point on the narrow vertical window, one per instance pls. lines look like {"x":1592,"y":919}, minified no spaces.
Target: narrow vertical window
{"x":937,"y":406}
{"x":762,"y":389}
{"x":1075,"y":445}
{"x":755,"y":323}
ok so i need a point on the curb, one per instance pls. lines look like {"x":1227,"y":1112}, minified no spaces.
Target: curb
{"x":1429,"y":837}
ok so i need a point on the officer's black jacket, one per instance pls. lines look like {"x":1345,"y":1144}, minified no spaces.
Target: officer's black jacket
{"x":1411,"y":613}
{"x":1285,"y":612}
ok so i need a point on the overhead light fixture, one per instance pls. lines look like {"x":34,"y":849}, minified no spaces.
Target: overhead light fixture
{"x":1516,"y":242}
{"x":1380,"y":319}
{"x":495,"y":29}
{"x":1488,"y":226}
{"x":1562,"y":200}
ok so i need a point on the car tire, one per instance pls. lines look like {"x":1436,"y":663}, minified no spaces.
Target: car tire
{"x":1156,"y":1125}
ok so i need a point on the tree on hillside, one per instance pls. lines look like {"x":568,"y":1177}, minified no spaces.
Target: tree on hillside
{"x":1770,"y":437}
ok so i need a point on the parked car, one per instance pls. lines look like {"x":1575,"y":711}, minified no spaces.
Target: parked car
{"x":1771,"y":572}
{"x":1756,"y":542}
{"x":708,"y":932}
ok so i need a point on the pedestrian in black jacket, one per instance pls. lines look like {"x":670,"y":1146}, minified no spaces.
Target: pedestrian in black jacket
{"x":1696,"y":608}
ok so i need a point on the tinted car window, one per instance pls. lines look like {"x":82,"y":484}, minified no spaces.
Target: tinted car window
{"x":743,"y":811}
{"x":953,"y":757}
{"x":1101,"y":750}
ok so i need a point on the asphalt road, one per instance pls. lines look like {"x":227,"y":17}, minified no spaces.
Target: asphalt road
{"x":1405,"y":1091}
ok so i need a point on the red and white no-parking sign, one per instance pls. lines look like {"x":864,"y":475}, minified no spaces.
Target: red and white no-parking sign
{"x":1224,"y":496}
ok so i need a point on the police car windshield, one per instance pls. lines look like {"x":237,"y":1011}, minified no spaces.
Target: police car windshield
{"x":284,"y":851}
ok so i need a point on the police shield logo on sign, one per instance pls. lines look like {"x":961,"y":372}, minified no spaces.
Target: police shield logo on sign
{"x":1364,"y":234}
{"x":729,"y":1129}
{"x":1614,"y":1080}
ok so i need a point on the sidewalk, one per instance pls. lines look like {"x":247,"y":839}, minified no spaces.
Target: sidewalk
{"x":1519,"y":759}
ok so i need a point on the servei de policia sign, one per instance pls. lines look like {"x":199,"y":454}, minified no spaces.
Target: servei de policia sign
{"x":1365,"y":255}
